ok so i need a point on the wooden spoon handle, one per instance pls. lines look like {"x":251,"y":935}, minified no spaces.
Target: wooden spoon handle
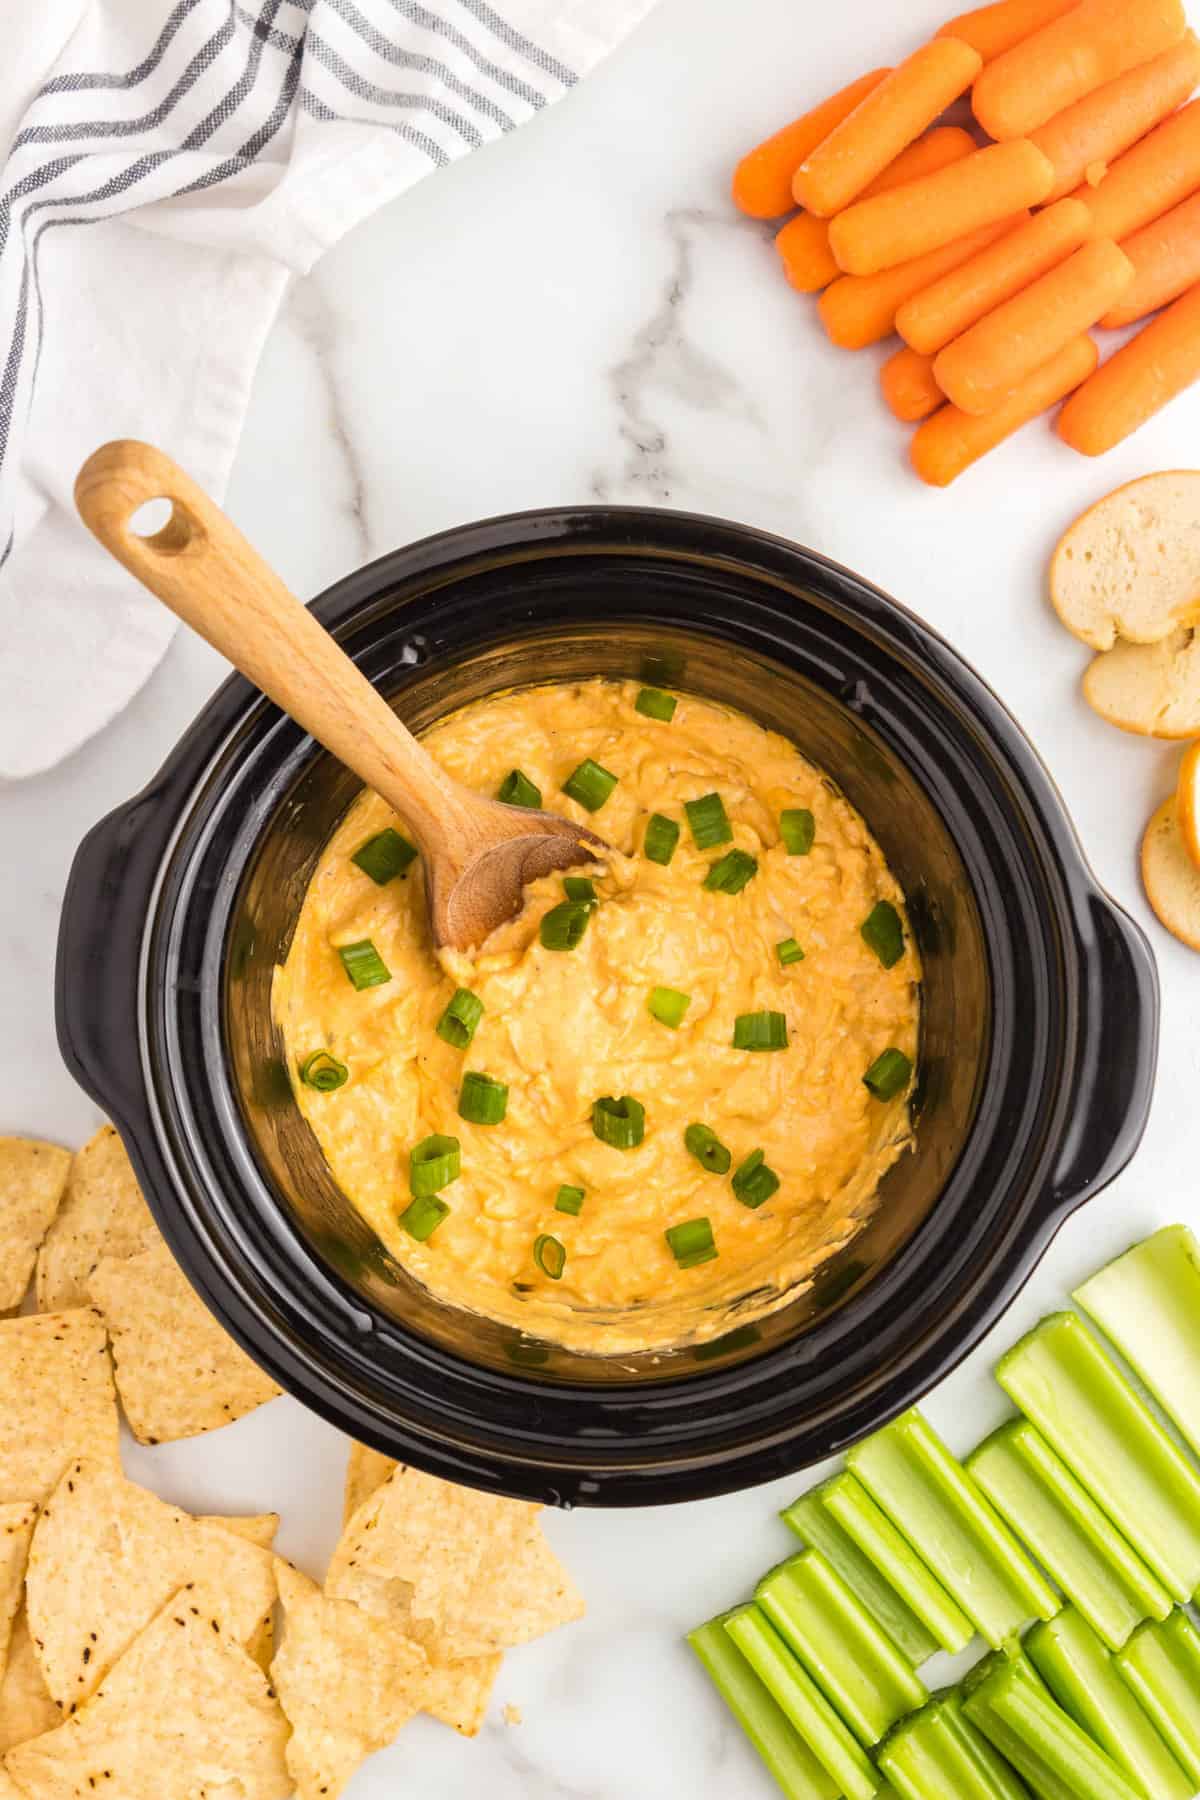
{"x":203,"y":569}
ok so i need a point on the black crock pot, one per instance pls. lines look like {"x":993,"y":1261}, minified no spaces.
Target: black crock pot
{"x":1038,"y":1038}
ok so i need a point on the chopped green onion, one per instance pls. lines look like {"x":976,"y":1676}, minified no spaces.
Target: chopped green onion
{"x":363,"y":964}
{"x":760,"y":1031}
{"x":753,"y":1181}
{"x":1085,"y":1681}
{"x":933,"y":1503}
{"x":1055,"y":1516}
{"x":482,"y":1100}
{"x":655,"y":704}
{"x":1161,"y":1665}
{"x":569,"y":1200}
{"x":708,"y":820}
{"x":549,"y":1255}
{"x":323,"y":1072}
{"x":662,"y":835}
{"x":888,"y":1075}
{"x":668,"y":1006}
{"x":691,"y":1243}
{"x":621,"y":1123}
{"x":423,"y":1215}
{"x":855,"y":1662}
{"x":460,"y":1021}
{"x":580,"y":887}
{"x":938,"y":1754}
{"x":1072,"y":1391}
{"x":707,"y":1149}
{"x":433,"y":1164}
{"x":788,"y":951}
{"x":1148,"y":1303}
{"x":517,"y":790}
{"x":590,"y":785}
{"x":803,"y":1703}
{"x":562,"y":928}
{"x":1040,"y":1740}
{"x":816,"y":1526}
{"x":783,"y":1751}
{"x":847,"y":1501}
{"x":384,"y":856}
{"x":882,"y":931}
{"x":730,"y":873}
{"x":797,"y":828}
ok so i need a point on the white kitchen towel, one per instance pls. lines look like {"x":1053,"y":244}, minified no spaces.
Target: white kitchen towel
{"x":168,"y":172}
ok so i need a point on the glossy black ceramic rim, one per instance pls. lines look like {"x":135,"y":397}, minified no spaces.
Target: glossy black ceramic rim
{"x":119,"y":995}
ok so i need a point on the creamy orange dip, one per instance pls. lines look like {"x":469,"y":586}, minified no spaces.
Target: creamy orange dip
{"x":564,"y":1028}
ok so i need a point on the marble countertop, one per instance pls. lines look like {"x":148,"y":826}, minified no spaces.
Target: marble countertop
{"x":577,"y":314}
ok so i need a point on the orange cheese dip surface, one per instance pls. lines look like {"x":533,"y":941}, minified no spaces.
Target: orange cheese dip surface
{"x":562,"y":1029}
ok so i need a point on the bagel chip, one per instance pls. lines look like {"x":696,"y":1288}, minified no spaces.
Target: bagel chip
{"x":1170,"y":877}
{"x":1150,"y":689}
{"x":1129,"y":567}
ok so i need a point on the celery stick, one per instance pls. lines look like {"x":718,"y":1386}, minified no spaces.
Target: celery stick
{"x":1083,"y":1678}
{"x":930,"y":1497}
{"x":816,"y":1527}
{"x":1042,"y":1742}
{"x":803,"y":1703}
{"x":1057,"y":1518}
{"x":853,"y":1661}
{"x":1061,"y":1379}
{"x":848,"y":1502}
{"x":1161,"y":1663}
{"x":777,"y":1741}
{"x":1148,"y":1303}
{"x":937,"y":1754}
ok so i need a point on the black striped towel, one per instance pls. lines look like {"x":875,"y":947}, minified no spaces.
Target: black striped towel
{"x":213,"y":151}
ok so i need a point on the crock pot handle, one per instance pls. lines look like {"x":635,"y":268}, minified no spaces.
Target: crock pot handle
{"x":99,"y":951}
{"x":1115,"y":1055}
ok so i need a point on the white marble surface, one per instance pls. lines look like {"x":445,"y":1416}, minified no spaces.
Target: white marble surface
{"x":577,"y":314}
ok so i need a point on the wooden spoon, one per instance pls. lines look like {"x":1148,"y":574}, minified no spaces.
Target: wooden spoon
{"x":478,"y":854}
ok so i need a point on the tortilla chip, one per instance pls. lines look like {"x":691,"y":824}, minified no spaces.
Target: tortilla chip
{"x":32,"y":1178}
{"x":346,"y":1683}
{"x":56,"y":1400}
{"x":457,"y":1693}
{"x":465,"y":1573}
{"x":178,"y":1372}
{"x":102,"y":1214}
{"x":105,"y":1558}
{"x":259,"y":1528}
{"x":26,"y":1709}
{"x":185,"y":1713}
{"x":8,"y":1790}
{"x":17,"y":1519}
{"x":366,"y":1470}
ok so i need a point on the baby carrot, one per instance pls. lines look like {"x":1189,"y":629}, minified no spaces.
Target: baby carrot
{"x":1154,"y":366}
{"x":1166,"y":261}
{"x":922,"y":215}
{"x":980,"y":368}
{"x":908,"y":385}
{"x":1093,"y":43}
{"x":860,"y":309}
{"x":994,"y":29}
{"x":883,"y":124}
{"x":944,"y":310}
{"x":1159,"y":172}
{"x":1103,"y":125}
{"x":762,"y":181}
{"x":803,"y":243}
{"x":951,"y":440}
